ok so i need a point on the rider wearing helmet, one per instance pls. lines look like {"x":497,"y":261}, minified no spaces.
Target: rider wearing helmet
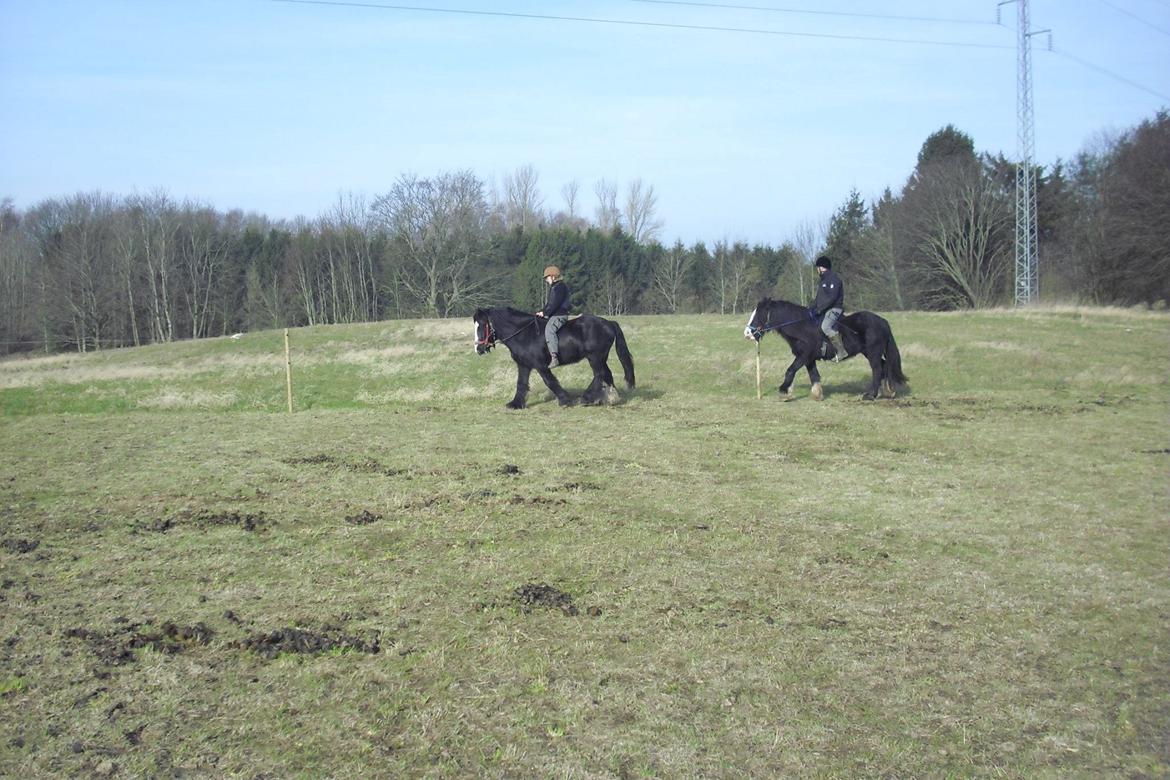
{"x":830,"y":304}
{"x":555,"y":311}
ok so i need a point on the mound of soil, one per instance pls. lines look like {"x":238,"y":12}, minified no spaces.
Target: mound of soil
{"x":20,"y":545}
{"x":209,"y":519}
{"x":365,"y":517}
{"x":117,"y":647}
{"x":367,"y":466}
{"x":297,"y":640}
{"x":544,"y":596}
{"x":249,"y":522}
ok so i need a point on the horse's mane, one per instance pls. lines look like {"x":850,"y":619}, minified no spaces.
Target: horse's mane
{"x":769,"y":303}
{"x":509,"y":311}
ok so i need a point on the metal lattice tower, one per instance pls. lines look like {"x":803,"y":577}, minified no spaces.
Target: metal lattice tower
{"x":1027,"y":245}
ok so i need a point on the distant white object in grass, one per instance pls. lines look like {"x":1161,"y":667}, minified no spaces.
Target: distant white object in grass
{"x":237,"y":335}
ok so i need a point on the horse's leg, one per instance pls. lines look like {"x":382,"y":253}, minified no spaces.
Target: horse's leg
{"x":522,"y":374}
{"x":598,"y":389}
{"x":814,"y":376}
{"x":790,"y":377}
{"x":887,"y":387}
{"x":876,"y":369}
{"x":592,"y":394}
{"x":606,"y":374}
{"x":549,"y":379}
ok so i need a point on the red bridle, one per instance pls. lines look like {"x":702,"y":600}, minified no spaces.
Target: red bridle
{"x":489,"y":338}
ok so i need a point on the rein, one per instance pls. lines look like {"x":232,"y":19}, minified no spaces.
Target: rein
{"x":490,"y":337}
{"x":758,"y":333}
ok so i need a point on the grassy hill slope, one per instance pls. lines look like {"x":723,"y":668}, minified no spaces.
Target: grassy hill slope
{"x":404,"y":579}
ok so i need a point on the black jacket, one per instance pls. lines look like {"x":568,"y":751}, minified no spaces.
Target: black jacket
{"x":558,"y":300}
{"x":830,"y":295}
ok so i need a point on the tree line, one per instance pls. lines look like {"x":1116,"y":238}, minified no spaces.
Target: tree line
{"x":93,"y":271}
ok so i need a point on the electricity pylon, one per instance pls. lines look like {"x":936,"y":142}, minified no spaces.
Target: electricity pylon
{"x":1027,"y":244}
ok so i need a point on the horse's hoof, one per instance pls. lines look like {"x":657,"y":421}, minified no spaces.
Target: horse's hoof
{"x":513,"y":405}
{"x":818,"y":393}
{"x":867,"y":397}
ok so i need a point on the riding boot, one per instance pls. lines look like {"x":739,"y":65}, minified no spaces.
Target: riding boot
{"x":554,"y":362}
{"x":838,"y":347}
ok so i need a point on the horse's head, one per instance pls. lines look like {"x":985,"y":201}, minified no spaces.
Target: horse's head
{"x":485,"y":337}
{"x":757,"y":324}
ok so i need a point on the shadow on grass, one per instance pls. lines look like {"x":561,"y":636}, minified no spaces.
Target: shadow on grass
{"x":625,"y":395}
{"x":855,"y":388}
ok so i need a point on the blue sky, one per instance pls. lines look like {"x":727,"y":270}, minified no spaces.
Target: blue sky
{"x":281,"y":107}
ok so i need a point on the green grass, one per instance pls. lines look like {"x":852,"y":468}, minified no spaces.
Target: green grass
{"x":969,"y":580}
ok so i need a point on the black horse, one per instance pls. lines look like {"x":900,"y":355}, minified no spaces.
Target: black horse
{"x":861,"y":332}
{"x":583,"y":338}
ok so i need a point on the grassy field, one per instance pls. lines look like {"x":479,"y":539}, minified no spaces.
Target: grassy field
{"x":405,"y":579}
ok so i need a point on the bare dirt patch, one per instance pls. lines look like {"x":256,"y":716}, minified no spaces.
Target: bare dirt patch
{"x":363,"y":466}
{"x":20,"y":546}
{"x":542,"y":596}
{"x":255,"y":522}
{"x":116,"y":647}
{"x":364,"y":517}
{"x":298,"y":640}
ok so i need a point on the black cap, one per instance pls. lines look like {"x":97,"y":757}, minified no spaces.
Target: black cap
{"x":824,"y":262}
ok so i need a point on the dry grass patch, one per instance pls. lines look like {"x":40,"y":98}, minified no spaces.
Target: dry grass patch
{"x":172,"y":398}
{"x":918,"y":351}
{"x":65,"y":373}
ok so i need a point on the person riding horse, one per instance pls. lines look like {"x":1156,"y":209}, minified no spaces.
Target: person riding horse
{"x":830,"y":304}
{"x":555,"y":311}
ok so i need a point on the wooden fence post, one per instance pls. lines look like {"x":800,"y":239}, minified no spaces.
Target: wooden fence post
{"x":288,"y":370}
{"x":759,"y":393}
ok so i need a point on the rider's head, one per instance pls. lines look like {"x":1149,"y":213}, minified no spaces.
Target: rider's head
{"x":823,"y":264}
{"x":551,"y":274}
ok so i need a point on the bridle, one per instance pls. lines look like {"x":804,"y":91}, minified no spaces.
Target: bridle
{"x":489,"y":334}
{"x":758,"y":333}
{"x":489,"y":337}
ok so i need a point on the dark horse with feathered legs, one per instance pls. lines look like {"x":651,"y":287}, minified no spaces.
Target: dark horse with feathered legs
{"x":583,"y":338}
{"x":861,"y":332}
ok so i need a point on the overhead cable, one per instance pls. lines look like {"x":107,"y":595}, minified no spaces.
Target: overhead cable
{"x":635,"y":23}
{"x":811,"y":12}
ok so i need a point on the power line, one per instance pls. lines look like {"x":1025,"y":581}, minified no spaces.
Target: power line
{"x":704,"y":28}
{"x":1132,"y":15}
{"x":633,"y":23}
{"x":1111,"y":74}
{"x":806,"y":11}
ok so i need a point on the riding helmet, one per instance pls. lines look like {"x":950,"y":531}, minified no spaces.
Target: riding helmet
{"x":552,"y":271}
{"x":824,"y":262}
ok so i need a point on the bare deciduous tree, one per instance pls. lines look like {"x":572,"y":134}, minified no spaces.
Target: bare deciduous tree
{"x":809,"y":240}
{"x":730,"y":280}
{"x":17,"y":281}
{"x":570,"y":193}
{"x":438,"y":227}
{"x":607,"y":215}
{"x":522,"y":199}
{"x":640,"y":213}
{"x":670,"y":268}
{"x":961,"y":232}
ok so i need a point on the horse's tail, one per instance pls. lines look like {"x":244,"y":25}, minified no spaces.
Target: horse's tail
{"x":623,"y":352}
{"x":894,"y":358}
